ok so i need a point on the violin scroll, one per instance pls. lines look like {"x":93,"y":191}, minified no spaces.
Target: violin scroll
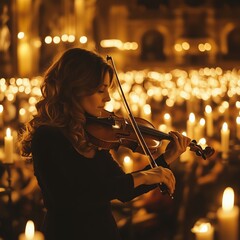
{"x":204,"y":153}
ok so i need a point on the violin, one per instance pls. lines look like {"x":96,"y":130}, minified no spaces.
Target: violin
{"x":110,"y":132}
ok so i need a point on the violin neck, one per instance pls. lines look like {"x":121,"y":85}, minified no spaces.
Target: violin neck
{"x":158,"y":135}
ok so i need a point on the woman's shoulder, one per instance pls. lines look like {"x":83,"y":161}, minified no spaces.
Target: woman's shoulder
{"x":48,"y":132}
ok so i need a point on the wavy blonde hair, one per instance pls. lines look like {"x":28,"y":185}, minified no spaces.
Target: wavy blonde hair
{"x":77,"y":73}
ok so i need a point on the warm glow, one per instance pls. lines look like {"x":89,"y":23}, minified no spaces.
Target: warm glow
{"x":71,"y":38}
{"x":8,"y":132}
{"x":56,"y":39}
{"x":64,"y":37}
{"x":225,"y":126}
{"x":202,"y":122}
{"x":22,"y":111}
{"x":83,"y":39}
{"x":29,"y":230}
{"x":228,"y":199}
{"x":48,"y":40}
{"x":185,"y":45}
{"x":208,"y":109}
{"x":238,"y":120}
{"x":238,"y":104}
{"x":127,"y":159}
{"x":111,"y":43}
{"x":20,"y":35}
{"x":201,"y":47}
{"x":202,"y":228}
{"x":147,"y":109}
{"x":167,"y":116}
{"x":192,"y":117}
{"x":178,"y":47}
{"x":207,"y":46}
{"x":1,"y":108}
{"x":202,"y":142}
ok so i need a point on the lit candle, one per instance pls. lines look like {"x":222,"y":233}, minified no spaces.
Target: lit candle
{"x":199,"y":130}
{"x":8,"y":147}
{"x":168,"y":121}
{"x":1,"y":115}
{"x":191,"y":125}
{"x":22,"y":115}
{"x":203,"y":230}
{"x":225,"y":133}
{"x":147,"y":112}
{"x":30,"y":233}
{"x":238,"y":127}
{"x":24,"y":53}
{"x":128,"y":164}
{"x":209,"y":120}
{"x":228,"y":217}
{"x":186,"y":156}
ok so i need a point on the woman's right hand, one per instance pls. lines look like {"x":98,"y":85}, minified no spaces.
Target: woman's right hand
{"x":154,"y":176}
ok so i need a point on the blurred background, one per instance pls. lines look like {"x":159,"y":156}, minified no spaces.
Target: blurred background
{"x":178,"y":63}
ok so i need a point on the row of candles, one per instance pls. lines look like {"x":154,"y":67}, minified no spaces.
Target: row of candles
{"x":191,"y":128}
{"x":194,"y":131}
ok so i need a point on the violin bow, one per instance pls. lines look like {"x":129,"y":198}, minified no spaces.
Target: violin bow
{"x":163,"y":188}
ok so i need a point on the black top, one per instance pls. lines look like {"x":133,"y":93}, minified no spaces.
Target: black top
{"x":77,"y":190}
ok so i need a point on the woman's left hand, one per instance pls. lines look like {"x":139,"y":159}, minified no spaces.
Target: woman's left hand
{"x":176,"y":147}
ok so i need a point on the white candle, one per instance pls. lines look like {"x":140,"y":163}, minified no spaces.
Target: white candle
{"x":228,"y":216}
{"x":225,"y":133}
{"x":147,"y":112}
{"x":186,"y":156}
{"x":24,"y":53}
{"x":168,"y":121}
{"x":191,"y":125}
{"x":1,"y":115}
{"x":203,"y":230}
{"x":22,"y":116}
{"x":8,"y":147}
{"x":128,"y":164}
{"x":238,"y":127}
{"x":209,"y":120}
{"x":30,"y":233}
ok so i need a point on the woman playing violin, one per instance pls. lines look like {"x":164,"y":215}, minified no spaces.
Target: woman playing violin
{"x":77,"y":179}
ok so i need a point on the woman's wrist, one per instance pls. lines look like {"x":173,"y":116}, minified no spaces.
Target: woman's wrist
{"x":162,"y":161}
{"x":139,"y":178}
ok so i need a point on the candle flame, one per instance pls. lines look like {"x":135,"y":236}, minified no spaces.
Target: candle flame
{"x":225,"y":126}
{"x":208,"y":109}
{"x":127,"y":159}
{"x":167,"y":116}
{"x":1,"y":108}
{"x":202,"y":122}
{"x":228,"y":199}
{"x":8,"y":132}
{"x":147,"y":109}
{"x":192,"y":117}
{"x":238,"y":120}
{"x":202,"y":227}
{"x":29,"y":230}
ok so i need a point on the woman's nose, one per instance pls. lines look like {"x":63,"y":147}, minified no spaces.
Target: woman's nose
{"x":107,"y":97}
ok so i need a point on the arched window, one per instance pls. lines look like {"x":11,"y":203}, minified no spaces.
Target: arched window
{"x":233,"y":42}
{"x":152,"y":46}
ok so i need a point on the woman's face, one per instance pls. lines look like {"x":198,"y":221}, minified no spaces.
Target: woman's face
{"x":94,"y":104}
